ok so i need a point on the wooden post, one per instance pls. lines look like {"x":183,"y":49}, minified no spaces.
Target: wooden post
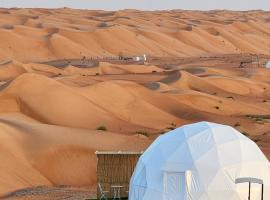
{"x":262,"y":192}
{"x":249,"y":185}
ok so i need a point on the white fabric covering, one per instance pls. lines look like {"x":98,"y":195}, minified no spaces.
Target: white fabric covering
{"x":200,"y":161}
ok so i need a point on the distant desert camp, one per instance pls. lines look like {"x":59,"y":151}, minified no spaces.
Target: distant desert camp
{"x":134,"y":104}
{"x":268,"y":65}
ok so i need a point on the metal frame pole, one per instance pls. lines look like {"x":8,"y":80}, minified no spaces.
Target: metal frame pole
{"x":249,"y":186}
{"x":262,"y":191}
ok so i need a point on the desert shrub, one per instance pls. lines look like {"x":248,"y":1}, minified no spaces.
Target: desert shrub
{"x":172,"y":126}
{"x":237,"y":124}
{"x":35,"y":17}
{"x":258,"y":119}
{"x":143,"y":132}
{"x":102,"y":128}
{"x":8,"y":26}
{"x":103,"y":25}
{"x":256,"y":140}
{"x":162,"y":132}
{"x":230,"y":97}
{"x":189,"y":28}
{"x":217,"y":107}
{"x":97,"y":74}
{"x":245,"y":134}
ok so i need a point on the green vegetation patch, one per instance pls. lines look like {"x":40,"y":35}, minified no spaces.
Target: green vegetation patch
{"x":143,"y":132}
{"x":102,"y":128}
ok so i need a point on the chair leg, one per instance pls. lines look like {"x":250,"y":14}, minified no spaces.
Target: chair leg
{"x":104,"y":197}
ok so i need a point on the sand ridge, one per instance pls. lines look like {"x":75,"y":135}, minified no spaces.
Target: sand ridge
{"x":170,"y":33}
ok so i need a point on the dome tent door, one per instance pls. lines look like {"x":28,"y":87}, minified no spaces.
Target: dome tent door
{"x":174,"y":186}
{"x":250,"y":180}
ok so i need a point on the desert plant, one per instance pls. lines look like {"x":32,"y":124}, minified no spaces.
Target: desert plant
{"x":172,"y":126}
{"x":102,"y":128}
{"x":143,"y":132}
{"x":245,"y":134}
{"x":230,"y":97}
{"x":256,"y":140}
{"x":257,"y":119}
{"x":161,"y":132}
{"x":237,"y":124}
{"x":103,"y":25}
{"x":8,"y":26}
{"x":189,"y":28}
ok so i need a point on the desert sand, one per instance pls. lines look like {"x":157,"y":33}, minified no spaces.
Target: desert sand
{"x":201,"y":66}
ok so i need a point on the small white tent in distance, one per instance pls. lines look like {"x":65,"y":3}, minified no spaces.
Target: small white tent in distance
{"x":201,"y":161}
{"x":268,"y":65}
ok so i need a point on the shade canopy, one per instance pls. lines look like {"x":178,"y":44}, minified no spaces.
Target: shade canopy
{"x":201,"y":161}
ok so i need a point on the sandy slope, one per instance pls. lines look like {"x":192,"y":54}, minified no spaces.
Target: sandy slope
{"x":41,"y":154}
{"x":49,"y":113}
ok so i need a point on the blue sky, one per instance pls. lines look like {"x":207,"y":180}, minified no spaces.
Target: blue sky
{"x":143,"y":4}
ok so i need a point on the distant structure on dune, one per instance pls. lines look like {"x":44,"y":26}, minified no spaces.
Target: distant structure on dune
{"x":201,"y":161}
{"x":142,"y":58}
{"x":268,"y":65}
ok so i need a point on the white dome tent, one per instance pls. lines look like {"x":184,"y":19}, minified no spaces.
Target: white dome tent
{"x":201,"y":161}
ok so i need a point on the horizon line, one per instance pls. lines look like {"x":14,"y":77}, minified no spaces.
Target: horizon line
{"x":136,"y":9}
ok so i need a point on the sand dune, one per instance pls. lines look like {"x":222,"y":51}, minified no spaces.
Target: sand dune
{"x":174,"y":33}
{"x":201,"y":66}
{"x":40,"y":154}
{"x":129,"y":103}
{"x":53,"y":103}
{"x":10,"y":69}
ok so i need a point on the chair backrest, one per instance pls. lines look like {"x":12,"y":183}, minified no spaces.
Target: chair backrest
{"x":100,"y":188}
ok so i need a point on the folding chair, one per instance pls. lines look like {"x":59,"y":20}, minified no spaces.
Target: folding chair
{"x":103,"y":193}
